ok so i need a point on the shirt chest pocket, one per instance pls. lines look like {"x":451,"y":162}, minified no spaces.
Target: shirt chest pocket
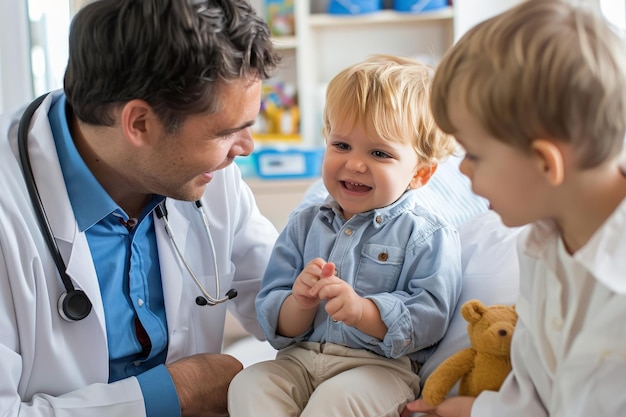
{"x":378,"y":269}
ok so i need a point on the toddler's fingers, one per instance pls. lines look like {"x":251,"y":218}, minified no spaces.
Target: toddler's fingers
{"x":328,"y":270}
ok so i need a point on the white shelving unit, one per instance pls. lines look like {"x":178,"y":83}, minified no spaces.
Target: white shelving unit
{"x":324,"y":44}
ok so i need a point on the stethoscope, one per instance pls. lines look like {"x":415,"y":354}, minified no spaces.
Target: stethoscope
{"x":74,"y":304}
{"x":205,"y":298}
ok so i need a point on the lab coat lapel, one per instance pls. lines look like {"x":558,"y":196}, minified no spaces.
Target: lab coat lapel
{"x":72,"y":244}
{"x":48,"y":174}
{"x":172,"y":269}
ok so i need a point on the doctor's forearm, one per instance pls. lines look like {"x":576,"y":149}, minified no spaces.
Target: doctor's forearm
{"x":202,"y":383}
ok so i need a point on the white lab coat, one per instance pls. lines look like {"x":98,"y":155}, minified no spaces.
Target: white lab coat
{"x":51,"y":367}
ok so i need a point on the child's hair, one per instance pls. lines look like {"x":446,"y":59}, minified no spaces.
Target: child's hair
{"x":393,"y":94}
{"x":542,"y":70}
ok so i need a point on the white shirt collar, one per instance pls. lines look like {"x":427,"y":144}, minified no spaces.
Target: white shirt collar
{"x":604,"y":255}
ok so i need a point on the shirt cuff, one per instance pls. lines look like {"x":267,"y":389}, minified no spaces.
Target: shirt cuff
{"x":159,"y":394}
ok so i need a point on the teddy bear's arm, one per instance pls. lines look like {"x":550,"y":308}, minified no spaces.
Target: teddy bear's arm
{"x":443,"y":378}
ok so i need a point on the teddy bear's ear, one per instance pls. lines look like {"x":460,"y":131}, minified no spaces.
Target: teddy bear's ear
{"x":473,"y":310}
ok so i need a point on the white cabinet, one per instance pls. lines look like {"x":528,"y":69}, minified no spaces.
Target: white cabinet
{"x":325,"y":44}
{"x":276,"y":199}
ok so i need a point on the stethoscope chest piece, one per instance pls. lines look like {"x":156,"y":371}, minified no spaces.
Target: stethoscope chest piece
{"x":74,"y":305}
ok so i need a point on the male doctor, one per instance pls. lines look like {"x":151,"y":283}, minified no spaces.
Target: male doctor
{"x":158,"y":100}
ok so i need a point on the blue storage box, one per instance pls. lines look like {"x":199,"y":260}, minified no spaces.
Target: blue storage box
{"x":354,"y":6}
{"x":246,"y":166}
{"x":288,"y":163}
{"x":418,"y":6}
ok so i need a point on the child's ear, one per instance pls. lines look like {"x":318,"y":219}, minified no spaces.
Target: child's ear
{"x":550,"y":160}
{"x":422,"y":176}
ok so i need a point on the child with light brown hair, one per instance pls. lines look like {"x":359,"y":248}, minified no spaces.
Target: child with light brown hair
{"x":359,"y":289}
{"x":537,"y":97}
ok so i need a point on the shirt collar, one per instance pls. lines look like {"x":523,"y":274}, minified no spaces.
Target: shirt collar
{"x":603,"y":255}
{"x":89,"y":200}
{"x":330,"y":209}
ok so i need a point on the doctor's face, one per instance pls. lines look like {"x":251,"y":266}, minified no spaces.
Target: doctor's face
{"x":181,"y":165}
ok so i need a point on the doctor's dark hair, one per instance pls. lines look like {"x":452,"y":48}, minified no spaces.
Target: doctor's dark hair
{"x":174,"y":54}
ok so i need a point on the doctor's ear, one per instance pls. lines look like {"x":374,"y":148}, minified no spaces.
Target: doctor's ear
{"x":550,"y":160}
{"x":137,"y":118}
{"x":422,"y":176}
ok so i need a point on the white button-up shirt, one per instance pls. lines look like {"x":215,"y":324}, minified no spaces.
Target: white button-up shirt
{"x":569,"y":346}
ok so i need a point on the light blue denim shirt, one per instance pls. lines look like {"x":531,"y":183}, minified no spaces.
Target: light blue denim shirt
{"x":404,"y":258}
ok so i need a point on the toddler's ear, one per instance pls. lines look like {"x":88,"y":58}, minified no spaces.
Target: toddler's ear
{"x":550,"y":160}
{"x":422,"y":176}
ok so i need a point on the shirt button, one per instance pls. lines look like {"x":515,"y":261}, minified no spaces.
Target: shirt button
{"x":557,"y":323}
{"x":140,"y":302}
{"x":348,"y":232}
{"x":383,"y":256}
{"x":379,"y":219}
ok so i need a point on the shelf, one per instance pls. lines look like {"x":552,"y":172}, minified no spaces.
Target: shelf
{"x":277,"y":138}
{"x":383,"y":16}
{"x":285,"y":42}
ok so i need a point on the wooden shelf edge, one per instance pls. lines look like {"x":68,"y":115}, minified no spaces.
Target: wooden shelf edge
{"x":285,"y":42}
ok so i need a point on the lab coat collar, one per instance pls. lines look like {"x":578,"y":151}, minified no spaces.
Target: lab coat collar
{"x":51,"y":186}
{"x":47,"y":172}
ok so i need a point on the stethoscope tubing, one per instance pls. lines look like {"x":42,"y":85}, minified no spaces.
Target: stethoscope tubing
{"x":161,"y":212}
{"x":74,"y":304}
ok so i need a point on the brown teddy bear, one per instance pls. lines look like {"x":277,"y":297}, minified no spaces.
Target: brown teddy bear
{"x":485,"y":364}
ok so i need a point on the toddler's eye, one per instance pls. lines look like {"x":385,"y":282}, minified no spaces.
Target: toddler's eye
{"x":381,"y":154}
{"x":341,"y":146}
{"x":470,"y":157}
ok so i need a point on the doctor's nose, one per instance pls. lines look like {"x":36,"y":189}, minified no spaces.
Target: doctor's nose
{"x":244,"y":145}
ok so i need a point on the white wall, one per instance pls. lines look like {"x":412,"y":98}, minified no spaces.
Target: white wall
{"x":468,"y":13}
{"x":15,"y":81}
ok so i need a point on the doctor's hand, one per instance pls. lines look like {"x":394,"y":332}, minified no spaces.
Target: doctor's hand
{"x":202,"y":382}
{"x":450,"y":407}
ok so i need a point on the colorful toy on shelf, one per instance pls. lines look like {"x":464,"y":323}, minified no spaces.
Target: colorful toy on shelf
{"x":280,"y":17}
{"x":279,"y":117}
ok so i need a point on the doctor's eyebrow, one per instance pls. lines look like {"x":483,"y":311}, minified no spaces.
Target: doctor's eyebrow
{"x":230,"y":131}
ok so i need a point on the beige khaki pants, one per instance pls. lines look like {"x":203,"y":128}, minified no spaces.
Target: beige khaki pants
{"x":323,"y":380}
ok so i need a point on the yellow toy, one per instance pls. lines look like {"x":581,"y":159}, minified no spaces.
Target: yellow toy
{"x":485,"y":364}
